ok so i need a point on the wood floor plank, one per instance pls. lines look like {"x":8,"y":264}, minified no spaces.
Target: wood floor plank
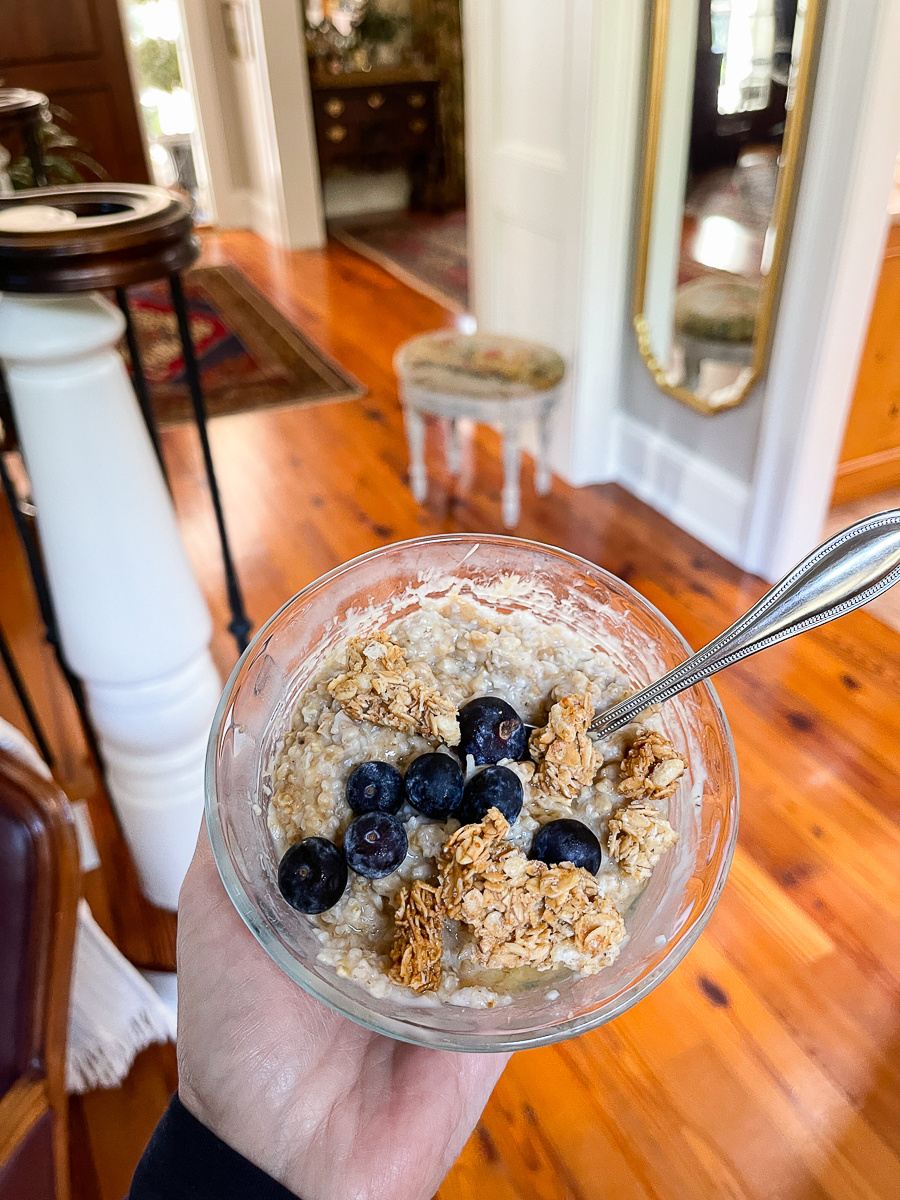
{"x":767,"y":1067}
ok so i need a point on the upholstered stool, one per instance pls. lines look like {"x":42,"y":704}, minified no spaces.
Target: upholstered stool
{"x":485,"y":378}
{"x":715,"y":320}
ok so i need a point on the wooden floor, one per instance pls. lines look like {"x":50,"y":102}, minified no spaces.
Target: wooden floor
{"x":768,"y":1065}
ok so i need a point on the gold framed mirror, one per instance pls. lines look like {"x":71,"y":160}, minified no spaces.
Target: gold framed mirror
{"x":730,"y":86}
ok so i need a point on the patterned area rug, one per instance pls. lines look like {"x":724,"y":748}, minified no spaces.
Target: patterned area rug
{"x":250,"y":356}
{"x":426,"y":251}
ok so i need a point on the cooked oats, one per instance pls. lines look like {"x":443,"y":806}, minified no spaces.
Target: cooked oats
{"x":393,"y":696}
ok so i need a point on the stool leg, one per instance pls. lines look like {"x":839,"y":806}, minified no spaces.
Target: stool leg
{"x":139,"y":379}
{"x":510,"y":495}
{"x":545,"y":440}
{"x":240,"y":624}
{"x":454,"y":449}
{"x":415,"y":440}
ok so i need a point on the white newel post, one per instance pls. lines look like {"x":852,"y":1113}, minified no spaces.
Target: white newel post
{"x":133,"y":623}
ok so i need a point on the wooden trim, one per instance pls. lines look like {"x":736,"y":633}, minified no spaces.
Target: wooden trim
{"x":866,"y":476}
{"x":22,"y":1106}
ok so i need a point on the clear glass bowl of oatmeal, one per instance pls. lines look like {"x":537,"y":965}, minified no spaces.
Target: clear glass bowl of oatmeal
{"x":618,"y":637}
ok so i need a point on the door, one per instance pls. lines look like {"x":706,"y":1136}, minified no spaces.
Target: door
{"x":73,"y":50}
{"x":870,"y":456}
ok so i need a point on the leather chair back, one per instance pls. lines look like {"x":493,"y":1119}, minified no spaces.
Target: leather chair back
{"x":39,"y":888}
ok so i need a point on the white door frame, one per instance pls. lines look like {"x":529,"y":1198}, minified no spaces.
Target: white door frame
{"x":284,"y":200}
{"x":230,"y":205}
{"x":813,"y":370}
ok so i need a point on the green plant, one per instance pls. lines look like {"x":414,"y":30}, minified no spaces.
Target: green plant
{"x":61,"y":154}
{"x":156,"y":61}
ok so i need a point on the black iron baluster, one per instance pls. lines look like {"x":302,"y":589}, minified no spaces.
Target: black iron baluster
{"x":240,"y":624}
{"x":18,"y":683}
{"x":139,"y":379}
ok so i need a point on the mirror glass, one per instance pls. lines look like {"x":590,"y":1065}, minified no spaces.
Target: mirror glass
{"x":729,"y":81}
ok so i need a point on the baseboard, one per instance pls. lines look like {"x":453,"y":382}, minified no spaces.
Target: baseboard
{"x":265,"y":220}
{"x":866,"y":476}
{"x":707,"y":502}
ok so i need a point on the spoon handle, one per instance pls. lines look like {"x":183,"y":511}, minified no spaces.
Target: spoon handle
{"x":849,"y":570}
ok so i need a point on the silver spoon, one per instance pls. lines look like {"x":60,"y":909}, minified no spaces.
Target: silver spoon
{"x":847,"y":571}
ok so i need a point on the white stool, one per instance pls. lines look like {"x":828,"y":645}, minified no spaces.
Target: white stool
{"x":486,"y":378}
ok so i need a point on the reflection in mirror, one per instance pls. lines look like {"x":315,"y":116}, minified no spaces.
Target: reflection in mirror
{"x":729,"y":84}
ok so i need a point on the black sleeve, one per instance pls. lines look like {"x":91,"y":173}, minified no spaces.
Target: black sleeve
{"x":185,"y":1161}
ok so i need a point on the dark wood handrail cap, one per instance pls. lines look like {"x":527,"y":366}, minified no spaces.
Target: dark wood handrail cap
{"x":102,"y":235}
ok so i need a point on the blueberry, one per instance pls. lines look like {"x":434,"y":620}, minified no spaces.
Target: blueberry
{"x":312,"y":875}
{"x":375,"y":844}
{"x":375,"y":787}
{"x":494,"y":787}
{"x":567,"y":841}
{"x":434,"y":785}
{"x":490,"y":729}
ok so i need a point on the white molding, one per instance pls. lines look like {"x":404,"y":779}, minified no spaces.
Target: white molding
{"x":604,"y":310}
{"x":707,"y":502}
{"x":835,"y":257}
{"x":228,"y":204}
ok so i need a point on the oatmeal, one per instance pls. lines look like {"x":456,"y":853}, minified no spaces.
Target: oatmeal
{"x":466,"y":905}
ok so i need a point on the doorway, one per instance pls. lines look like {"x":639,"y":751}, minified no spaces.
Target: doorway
{"x":387,"y":91}
{"x":868,"y":474}
{"x":164,"y":80}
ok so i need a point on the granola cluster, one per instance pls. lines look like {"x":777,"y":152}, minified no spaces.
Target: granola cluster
{"x":523,"y":912}
{"x":566,"y":757}
{"x":380,"y":686}
{"x":512,"y":911}
{"x":419,"y":938}
{"x":638,"y":838}
{"x":651,"y":768}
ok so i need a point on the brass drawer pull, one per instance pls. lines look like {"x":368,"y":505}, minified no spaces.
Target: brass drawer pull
{"x":416,"y":99}
{"x":418,"y":126}
{"x":375,"y":99}
{"x":334,"y":107}
{"x":336,"y":133}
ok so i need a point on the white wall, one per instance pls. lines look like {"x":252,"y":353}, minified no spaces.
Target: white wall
{"x":554,"y":111}
{"x":536,"y":92}
{"x":733,"y":479}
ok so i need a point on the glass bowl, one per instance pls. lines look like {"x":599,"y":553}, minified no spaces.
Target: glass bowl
{"x":507,"y":573}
